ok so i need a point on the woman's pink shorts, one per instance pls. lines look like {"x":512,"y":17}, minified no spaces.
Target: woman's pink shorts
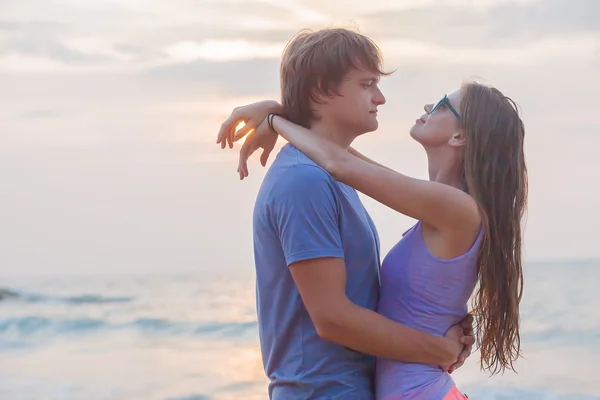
{"x":455,"y":394}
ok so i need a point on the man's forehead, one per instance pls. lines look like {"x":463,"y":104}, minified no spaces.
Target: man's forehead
{"x":363,"y":75}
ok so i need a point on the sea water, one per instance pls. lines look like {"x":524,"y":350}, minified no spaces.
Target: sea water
{"x":194,"y":337}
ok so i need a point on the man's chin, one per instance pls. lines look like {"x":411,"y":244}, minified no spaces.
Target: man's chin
{"x":372,"y":127}
{"x":367,"y":128}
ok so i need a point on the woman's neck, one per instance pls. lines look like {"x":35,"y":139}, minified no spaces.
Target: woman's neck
{"x":445,"y":167}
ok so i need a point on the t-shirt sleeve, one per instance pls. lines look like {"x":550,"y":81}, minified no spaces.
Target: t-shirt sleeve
{"x":306,"y":214}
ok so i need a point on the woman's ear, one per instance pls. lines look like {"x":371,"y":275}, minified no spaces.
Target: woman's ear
{"x":458,"y":139}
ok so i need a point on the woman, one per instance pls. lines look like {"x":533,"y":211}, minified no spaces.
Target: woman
{"x":468,"y":232}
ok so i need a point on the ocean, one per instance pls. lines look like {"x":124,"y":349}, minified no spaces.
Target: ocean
{"x":194,"y":337}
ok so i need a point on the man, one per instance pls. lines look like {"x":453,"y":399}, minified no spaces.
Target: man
{"x":316,"y":248}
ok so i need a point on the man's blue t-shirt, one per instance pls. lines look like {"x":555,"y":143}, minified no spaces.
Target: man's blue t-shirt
{"x":302,"y":213}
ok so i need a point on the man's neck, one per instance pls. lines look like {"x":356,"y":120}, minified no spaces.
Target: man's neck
{"x":333,"y":132}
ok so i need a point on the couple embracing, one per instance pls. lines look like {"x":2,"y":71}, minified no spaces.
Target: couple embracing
{"x":335,"y":320}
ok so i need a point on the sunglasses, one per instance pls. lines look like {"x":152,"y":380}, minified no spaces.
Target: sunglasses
{"x":444,"y":101}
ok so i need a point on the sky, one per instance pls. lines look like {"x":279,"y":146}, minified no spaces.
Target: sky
{"x":110,"y":110}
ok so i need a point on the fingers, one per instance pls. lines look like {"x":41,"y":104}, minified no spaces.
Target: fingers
{"x":251,"y":144}
{"x":227,"y":127}
{"x":245,"y":152}
{"x":455,"y":366}
{"x":243,"y":166}
{"x":461,"y":360}
{"x":467,"y":323}
{"x":464,"y":355}
{"x":232,"y":132}
{"x":239,"y":171}
{"x":469,"y":331}
{"x":243,"y":131}
{"x":265,"y":156}
{"x":468,"y":340}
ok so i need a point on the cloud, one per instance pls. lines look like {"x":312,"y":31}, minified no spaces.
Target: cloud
{"x":540,"y":52}
{"x":219,"y":50}
{"x":31,"y":26}
{"x":350,"y":8}
{"x":133,"y":35}
{"x":140,"y":31}
{"x":39,"y":44}
{"x":7,"y":25}
{"x":40,"y":113}
{"x":501,"y":25}
{"x":52,"y":51}
{"x":243,"y":12}
{"x":240,"y":78}
{"x":245,"y":68}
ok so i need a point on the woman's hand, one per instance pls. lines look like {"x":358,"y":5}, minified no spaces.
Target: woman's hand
{"x":467,"y":339}
{"x":454,"y":333}
{"x":462,"y":334}
{"x":252,"y":114}
{"x":262,"y":137}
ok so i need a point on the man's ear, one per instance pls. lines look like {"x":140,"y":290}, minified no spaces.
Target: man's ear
{"x":458,"y":139}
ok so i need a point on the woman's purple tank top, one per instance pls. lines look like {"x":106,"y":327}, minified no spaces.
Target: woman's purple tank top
{"x":426,"y":293}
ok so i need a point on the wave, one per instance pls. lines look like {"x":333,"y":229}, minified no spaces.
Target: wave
{"x":11,"y":294}
{"x":229,"y":329}
{"x":29,"y":326}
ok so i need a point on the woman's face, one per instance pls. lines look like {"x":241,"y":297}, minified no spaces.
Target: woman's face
{"x":440,"y":122}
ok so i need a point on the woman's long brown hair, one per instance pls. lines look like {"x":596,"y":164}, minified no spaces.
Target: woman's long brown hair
{"x":495,"y":174}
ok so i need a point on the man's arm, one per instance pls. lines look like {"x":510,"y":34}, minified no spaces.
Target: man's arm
{"x":321,"y":283}
{"x":304,"y":211}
